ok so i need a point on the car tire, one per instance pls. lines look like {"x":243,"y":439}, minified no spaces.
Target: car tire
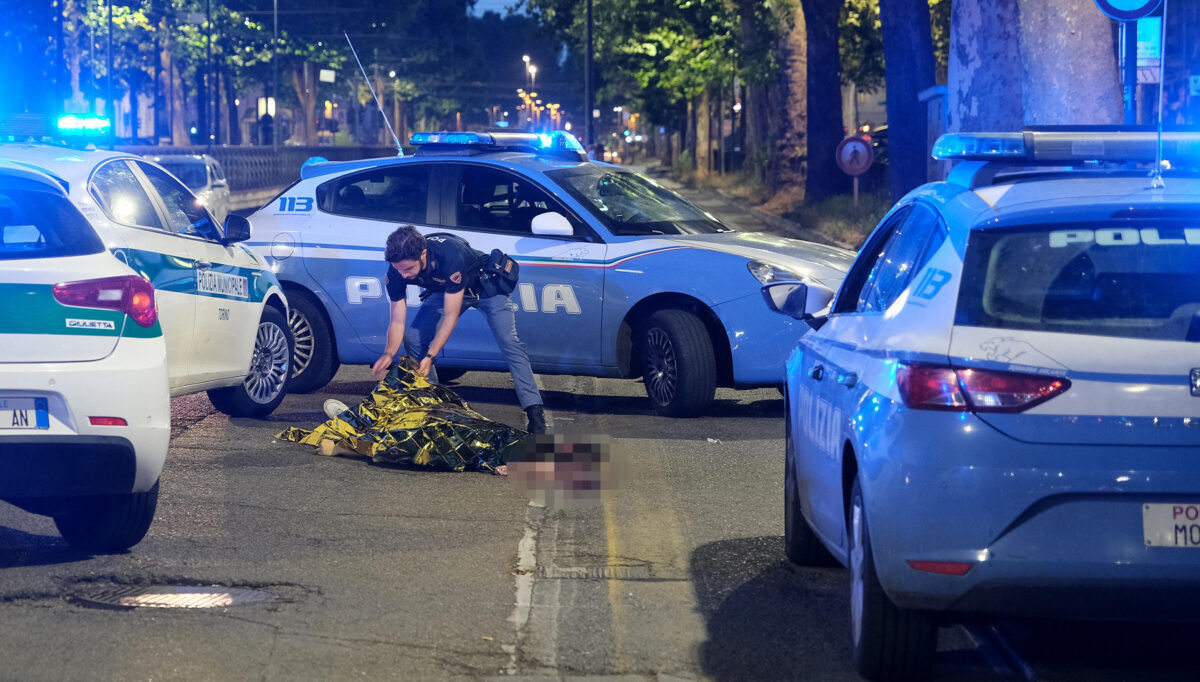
{"x":800,"y":543}
{"x":315,"y":360}
{"x":265,"y":384}
{"x":887,"y":642}
{"x":108,"y":523}
{"x":679,"y":367}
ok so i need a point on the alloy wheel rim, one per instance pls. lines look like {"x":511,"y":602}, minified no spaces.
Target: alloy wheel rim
{"x":857,"y":581}
{"x":303,"y":341}
{"x":269,"y":364}
{"x":662,"y":369}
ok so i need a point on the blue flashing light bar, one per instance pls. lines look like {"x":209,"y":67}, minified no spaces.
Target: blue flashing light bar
{"x":557,"y":143}
{"x":451,"y":138}
{"x":980,"y":147}
{"x":91,"y":125}
{"x":1069,"y":146}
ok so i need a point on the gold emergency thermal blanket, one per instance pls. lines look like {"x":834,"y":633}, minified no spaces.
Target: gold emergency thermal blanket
{"x":407,"y":420}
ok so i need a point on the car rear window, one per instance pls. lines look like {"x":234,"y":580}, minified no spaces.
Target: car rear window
{"x":40,"y":224}
{"x":1123,"y":279}
{"x":194,"y":174}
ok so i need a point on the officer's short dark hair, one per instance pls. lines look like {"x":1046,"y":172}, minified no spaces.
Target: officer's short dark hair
{"x":404,"y":244}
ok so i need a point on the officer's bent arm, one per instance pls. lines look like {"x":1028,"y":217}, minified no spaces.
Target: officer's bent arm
{"x":395,"y":333}
{"x":450,"y":312}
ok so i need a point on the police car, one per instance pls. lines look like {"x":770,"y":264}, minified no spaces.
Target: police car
{"x":223,"y":313}
{"x":619,"y":276}
{"x":84,"y":408}
{"x":1000,"y":411}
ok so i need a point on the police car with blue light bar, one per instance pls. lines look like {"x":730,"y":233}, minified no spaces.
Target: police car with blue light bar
{"x":620,"y":277}
{"x":1000,"y":411}
{"x":222,"y":311}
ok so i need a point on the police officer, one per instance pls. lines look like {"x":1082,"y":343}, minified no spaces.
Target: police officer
{"x":447,"y":268}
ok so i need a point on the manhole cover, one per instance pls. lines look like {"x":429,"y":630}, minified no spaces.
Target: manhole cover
{"x":172,"y":596}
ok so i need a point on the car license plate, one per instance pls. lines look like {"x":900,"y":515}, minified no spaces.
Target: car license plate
{"x":24,"y":413}
{"x":1171,"y":525}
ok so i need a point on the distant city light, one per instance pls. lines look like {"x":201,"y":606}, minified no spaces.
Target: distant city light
{"x":391,"y":74}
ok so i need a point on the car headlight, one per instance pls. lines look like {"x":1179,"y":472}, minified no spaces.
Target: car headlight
{"x":770,"y":273}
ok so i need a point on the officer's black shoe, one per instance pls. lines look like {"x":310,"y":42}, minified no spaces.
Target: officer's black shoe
{"x":537,"y":419}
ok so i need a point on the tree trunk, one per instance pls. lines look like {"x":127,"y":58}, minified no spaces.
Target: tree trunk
{"x":235,"y":122}
{"x":703,"y":136}
{"x":134,"y":78}
{"x":689,"y":132}
{"x":984,"y":81}
{"x":174,"y":87}
{"x":791,"y":144}
{"x":825,"y":129}
{"x":74,"y":39}
{"x":1069,"y":70}
{"x":908,"y":53}
{"x":306,"y":93}
{"x":201,"y":107}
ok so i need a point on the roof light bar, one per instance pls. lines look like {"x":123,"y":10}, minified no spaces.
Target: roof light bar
{"x":979,"y":146}
{"x":1068,"y":146}
{"x":558,"y":142}
{"x":451,"y":138}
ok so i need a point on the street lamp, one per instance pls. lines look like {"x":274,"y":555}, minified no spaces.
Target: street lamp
{"x":532,"y":75}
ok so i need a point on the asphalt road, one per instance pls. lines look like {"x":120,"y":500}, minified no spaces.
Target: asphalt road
{"x":383,"y":573}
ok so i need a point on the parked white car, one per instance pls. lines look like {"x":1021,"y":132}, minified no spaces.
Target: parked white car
{"x":84,"y":405}
{"x":223,"y":313}
{"x":204,"y":176}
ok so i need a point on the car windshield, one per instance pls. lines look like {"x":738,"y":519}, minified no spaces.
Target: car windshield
{"x":1111,"y":279}
{"x":192,"y":173}
{"x":39,"y":224}
{"x":629,"y":204}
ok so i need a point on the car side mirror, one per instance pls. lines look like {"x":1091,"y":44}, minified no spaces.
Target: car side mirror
{"x":552,"y":224}
{"x":237,"y":229}
{"x":798,"y":300}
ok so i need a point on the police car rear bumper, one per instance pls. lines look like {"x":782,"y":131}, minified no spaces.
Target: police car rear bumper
{"x":66,"y":466}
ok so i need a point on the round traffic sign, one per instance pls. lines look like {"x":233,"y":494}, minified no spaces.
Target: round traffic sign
{"x":1128,"y":10}
{"x":854,"y":155}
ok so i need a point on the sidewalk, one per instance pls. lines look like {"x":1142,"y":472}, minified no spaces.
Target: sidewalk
{"x":734,"y":211}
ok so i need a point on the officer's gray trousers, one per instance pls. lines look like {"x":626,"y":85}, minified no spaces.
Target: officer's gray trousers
{"x":500,"y":313}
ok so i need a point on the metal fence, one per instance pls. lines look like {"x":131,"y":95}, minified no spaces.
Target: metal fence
{"x":250,"y":169}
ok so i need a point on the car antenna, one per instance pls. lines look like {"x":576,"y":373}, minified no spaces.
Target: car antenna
{"x":1156,"y":181}
{"x":399,"y":149}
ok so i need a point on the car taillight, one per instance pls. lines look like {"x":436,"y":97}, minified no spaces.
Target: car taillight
{"x":130,"y":294}
{"x":933,"y":387}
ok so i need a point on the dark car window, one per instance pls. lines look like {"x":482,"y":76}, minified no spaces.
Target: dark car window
{"x":397,"y":194}
{"x":1124,"y":279}
{"x":184,"y":212}
{"x":192,"y":172}
{"x":910,"y":244}
{"x":122,"y":197}
{"x":493,"y":200}
{"x":629,"y":204}
{"x":39,"y":224}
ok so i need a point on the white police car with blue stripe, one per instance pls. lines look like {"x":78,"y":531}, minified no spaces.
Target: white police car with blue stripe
{"x":620,"y":277}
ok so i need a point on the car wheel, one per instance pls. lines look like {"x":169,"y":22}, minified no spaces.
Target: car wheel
{"x":887,"y":642}
{"x":265,"y":384}
{"x":679,"y":367}
{"x":314,"y":361}
{"x":800,"y":543}
{"x":108,"y":523}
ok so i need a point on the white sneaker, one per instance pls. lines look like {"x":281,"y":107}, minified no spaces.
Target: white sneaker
{"x":334,"y":407}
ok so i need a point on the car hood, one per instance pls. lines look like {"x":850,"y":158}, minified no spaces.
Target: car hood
{"x":824,"y":264}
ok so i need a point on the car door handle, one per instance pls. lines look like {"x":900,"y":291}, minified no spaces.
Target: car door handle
{"x":202,"y":265}
{"x":817,"y":372}
{"x":848,"y":379}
